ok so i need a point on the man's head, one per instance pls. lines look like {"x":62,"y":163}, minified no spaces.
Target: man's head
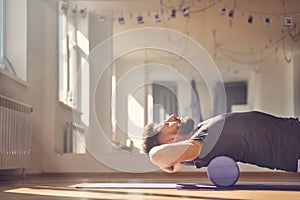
{"x":166,"y":132}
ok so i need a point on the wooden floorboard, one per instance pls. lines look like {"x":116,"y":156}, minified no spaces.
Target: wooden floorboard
{"x":63,"y":186}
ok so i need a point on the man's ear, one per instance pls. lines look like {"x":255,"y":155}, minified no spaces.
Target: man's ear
{"x":169,"y":141}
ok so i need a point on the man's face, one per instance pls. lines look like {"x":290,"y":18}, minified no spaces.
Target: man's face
{"x":175,"y":129}
{"x":186,"y":127}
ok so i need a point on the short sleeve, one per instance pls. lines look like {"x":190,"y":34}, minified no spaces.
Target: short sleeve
{"x":199,"y":133}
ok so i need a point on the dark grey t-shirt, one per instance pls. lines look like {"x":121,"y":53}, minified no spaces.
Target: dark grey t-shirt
{"x":251,"y":137}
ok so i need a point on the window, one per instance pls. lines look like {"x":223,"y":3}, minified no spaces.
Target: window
{"x":13,"y":37}
{"x":236,"y":94}
{"x":73,"y":50}
{"x":165,"y":100}
{"x":67,"y":57}
{"x":74,"y":72}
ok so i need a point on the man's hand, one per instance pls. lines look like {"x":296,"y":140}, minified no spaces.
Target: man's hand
{"x":174,"y":168}
{"x":184,"y":137}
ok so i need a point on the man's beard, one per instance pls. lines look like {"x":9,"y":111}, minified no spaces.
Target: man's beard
{"x":186,"y":126}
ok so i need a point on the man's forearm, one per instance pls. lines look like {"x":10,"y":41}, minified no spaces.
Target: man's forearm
{"x":168,"y":155}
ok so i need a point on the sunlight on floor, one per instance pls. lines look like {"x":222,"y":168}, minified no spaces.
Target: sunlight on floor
{"x":159,"y":194}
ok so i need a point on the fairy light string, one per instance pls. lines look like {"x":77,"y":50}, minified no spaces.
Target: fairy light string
{"x":169,"y":10}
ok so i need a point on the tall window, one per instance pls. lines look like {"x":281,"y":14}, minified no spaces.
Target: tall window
{"x":67,"y":55}
{"x":73,"y":50}
{"x":236,"y":94}
{"x":165,"y":100}
{"x":74,"y":71}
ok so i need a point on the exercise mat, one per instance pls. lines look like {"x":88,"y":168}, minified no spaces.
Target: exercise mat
{"x":243,"y":187}
{"x":188,"y":186}
{"x":131,"y":185}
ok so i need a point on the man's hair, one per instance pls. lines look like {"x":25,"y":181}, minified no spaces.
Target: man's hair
{"x":150,"y":137}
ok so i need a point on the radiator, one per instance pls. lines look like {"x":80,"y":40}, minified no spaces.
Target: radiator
{"x":15,"y":134}
{"x":74,"y":138}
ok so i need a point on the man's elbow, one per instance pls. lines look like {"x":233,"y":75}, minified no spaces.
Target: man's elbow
{"x":154,"y":156}
{"x":159,"y":156}
{"x":195,"y":149}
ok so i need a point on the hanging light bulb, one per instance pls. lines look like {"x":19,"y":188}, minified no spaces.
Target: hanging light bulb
{"x":288,"y":21}
{"x":250,"y":19}
{"x":157,"y":17}
{"x":64,"y":8}
{"x":231,"y":14}
{"x":140,"y":19}
{"x":74,"y":11}
{"x":121,"y":20}
{"x":268,"y":21}
{"x":173,"y":13}
{"x":83,"y":12}
{"x":101,"y":17}
{"x":185,"y":11}
{"x":223,"y":11}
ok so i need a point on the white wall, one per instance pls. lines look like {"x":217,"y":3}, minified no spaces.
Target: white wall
{"x":276,"y":86}
{"x":296,"y":79}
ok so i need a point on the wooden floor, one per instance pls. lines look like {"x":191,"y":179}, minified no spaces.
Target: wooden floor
{"x":63,"y":187}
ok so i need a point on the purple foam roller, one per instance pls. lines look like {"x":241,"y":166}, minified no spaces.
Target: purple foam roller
{"x":223,"y":171}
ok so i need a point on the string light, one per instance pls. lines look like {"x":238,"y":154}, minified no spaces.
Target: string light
{"x":208,"y":4}
{"x":265,"y":52}
{"x":289,"y":19}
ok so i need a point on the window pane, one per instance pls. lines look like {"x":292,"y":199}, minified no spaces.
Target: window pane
{"x":13,"y":37}
{"x":63,"y":58}
{"x":1,"y":34}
